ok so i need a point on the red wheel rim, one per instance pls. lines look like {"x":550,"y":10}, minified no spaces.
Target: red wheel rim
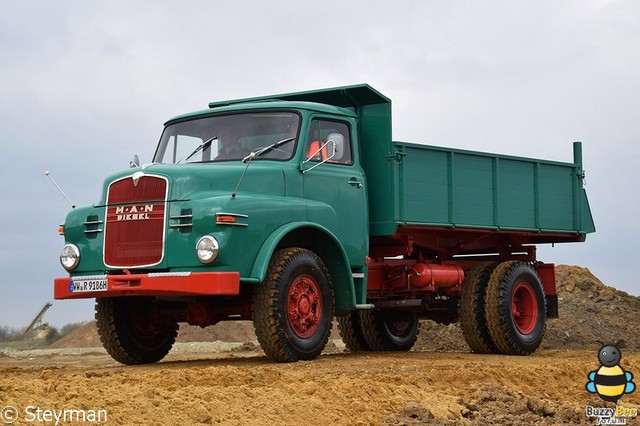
{"x":524,"y":308}
{"x":304,"y":306}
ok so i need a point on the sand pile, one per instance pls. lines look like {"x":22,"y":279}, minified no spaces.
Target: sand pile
{"x":496,"y":405}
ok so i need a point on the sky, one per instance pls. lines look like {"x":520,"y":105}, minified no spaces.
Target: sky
{"x":86,"y":85}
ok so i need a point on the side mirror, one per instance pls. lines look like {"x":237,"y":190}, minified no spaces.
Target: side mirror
{"x":135,"y":162}
{"x":326,"y":152}
{"x":336,"y":146}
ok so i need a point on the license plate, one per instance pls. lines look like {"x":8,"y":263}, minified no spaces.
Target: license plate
{"x":87,"y":285}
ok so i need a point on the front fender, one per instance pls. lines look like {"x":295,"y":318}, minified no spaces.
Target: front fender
{"x":321,"y":241}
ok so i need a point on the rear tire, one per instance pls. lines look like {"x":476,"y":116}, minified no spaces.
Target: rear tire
{"x":472,"y":310}
{"x":390,"y":330}
{"x":292,"y":310}
{"x":515,"y":308}
{"x":133,"y":331}
{"x":350,"y":327}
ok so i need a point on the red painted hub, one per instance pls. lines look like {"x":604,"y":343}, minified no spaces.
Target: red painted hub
{"x":304,"y":306}
{"x":524,"y":308}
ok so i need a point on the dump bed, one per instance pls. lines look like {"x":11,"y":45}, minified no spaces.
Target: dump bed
{"x":453,"y":188}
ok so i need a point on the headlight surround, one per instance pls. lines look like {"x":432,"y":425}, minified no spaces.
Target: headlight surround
{"x":207,"y":249}
{"x":69,"y":257}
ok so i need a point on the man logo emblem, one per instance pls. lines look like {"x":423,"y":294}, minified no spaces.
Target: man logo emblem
{"x":136,"y":178}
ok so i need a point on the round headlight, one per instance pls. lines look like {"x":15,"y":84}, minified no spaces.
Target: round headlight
{"x":69,"y":257}
{"x":207,"y":249}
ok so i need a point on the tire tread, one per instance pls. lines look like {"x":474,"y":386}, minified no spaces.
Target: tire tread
{"x":473,"y":321}
{"x":351,"y":332}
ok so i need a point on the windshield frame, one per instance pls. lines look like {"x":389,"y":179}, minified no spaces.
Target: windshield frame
{"x":163,"y":148}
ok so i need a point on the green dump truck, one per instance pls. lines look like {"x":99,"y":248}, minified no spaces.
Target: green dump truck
{"x":291,"y":209}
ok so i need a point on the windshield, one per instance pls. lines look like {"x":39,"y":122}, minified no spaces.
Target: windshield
{"x":228,"y":138}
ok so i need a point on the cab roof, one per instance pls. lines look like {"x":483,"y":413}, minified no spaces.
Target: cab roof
{"x":344,"y":100}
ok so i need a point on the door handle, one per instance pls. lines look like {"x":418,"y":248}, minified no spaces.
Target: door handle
{"x":355,"y":182}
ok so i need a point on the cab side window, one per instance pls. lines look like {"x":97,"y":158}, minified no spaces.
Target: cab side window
{"x":329,"y":141}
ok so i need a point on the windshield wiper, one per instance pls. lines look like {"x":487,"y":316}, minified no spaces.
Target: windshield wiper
{"x":266,"y":149}
{"x":203,"y":145}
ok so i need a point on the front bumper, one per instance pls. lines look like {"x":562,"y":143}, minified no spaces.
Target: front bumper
{"x":155,"y":284}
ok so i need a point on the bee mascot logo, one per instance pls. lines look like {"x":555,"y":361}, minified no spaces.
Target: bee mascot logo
{"x":610,"y":381}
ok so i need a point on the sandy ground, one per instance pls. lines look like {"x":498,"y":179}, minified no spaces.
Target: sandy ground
{"x":197,"y":384}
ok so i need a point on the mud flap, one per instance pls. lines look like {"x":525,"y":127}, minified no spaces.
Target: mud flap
{"x":552,"y":305}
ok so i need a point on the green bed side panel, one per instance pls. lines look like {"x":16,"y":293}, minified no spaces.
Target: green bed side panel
{"x":457,"y":188}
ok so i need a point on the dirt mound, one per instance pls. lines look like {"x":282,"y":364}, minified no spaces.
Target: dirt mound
{"x":225,"y":331}
{"x":83,"y":337}
{"x":496,"y":405}
{"x":440,"y":338}
{"x":589,"y":311}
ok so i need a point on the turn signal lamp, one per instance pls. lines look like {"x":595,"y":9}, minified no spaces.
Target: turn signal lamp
{"x":225,"y":219}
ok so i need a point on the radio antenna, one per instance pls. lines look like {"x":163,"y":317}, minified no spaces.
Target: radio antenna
{"x":46,"y":173}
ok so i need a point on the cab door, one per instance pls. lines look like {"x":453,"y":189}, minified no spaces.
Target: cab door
{"x":335,"y":185}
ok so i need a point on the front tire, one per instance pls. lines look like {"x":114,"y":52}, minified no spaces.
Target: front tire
{"x":515,"y":308}
{"x":292,"y":310}
{"x":133,"y":331}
